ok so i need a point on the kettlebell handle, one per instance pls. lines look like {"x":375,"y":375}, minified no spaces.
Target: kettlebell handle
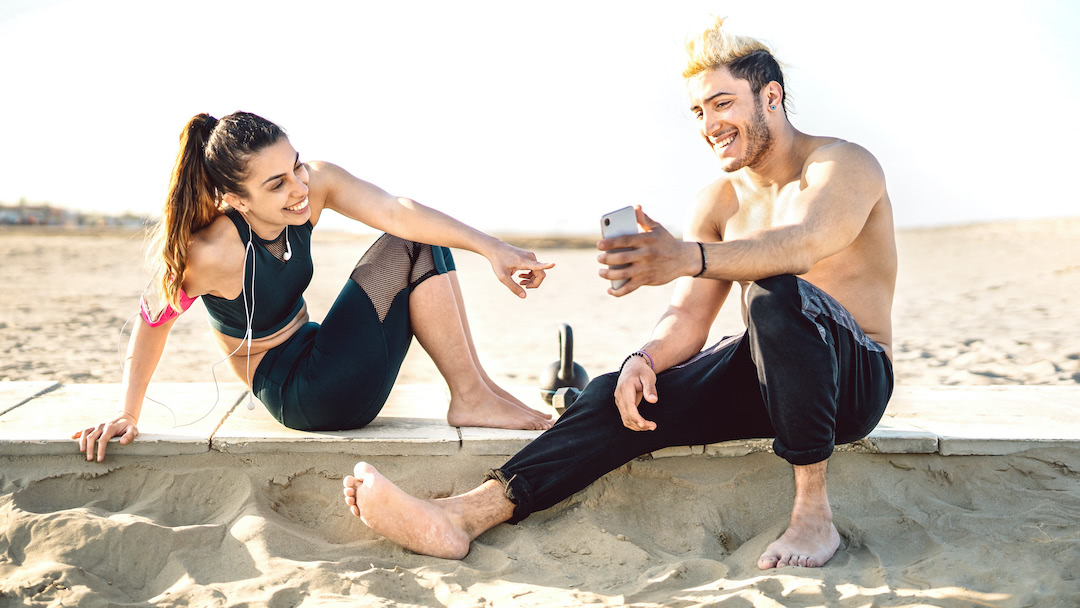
{"x":566,"y":353}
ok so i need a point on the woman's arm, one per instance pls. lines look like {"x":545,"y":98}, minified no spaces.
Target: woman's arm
{"x":399,"y":216}
{"x":334,"y":188}
{"x":214,"y":259}
{"x":143,"y":354}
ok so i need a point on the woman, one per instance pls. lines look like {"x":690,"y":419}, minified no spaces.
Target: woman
{"x":236,"y":230}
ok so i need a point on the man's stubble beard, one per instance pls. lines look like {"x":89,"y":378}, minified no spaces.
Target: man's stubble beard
{"x":759,"y":141}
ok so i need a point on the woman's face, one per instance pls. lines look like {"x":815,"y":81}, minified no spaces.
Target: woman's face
{"x":276,"y":188}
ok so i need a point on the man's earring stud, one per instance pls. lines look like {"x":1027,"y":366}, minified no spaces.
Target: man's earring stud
{"x":772,"y":107}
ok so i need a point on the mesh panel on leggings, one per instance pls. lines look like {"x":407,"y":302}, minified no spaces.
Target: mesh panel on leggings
{"x":276,"y":247}
{"x":390,"y":265}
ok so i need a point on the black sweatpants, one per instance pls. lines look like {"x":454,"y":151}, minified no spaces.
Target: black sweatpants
{"x":803,"y":373}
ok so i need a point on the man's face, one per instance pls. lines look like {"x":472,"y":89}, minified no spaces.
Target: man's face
{"x":730,"y":117}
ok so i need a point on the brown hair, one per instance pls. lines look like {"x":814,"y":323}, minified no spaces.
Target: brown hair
{"x":212,"y":160}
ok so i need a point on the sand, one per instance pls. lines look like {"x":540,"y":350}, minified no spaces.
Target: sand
{"x":984,"y":304}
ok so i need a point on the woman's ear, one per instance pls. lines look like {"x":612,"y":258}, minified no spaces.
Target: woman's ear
{"x":235,"y":202}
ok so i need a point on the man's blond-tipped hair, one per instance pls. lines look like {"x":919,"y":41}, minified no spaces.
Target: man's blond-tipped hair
{"x":745,"y":57}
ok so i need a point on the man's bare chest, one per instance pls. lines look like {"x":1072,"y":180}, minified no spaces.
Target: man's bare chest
{"x":756,"y":212}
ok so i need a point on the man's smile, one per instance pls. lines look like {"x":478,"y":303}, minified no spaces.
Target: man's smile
{"x":722,"y":143}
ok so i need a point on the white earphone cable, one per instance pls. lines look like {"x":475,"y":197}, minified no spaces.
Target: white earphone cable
{"x":249,"y":315}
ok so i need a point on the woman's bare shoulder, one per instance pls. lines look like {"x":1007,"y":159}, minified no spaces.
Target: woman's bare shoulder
{"x":214,"y":255}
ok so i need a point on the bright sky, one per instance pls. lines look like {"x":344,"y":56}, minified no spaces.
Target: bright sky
{"x":539,"y":117}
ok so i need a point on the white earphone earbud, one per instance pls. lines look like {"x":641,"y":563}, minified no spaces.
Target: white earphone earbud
{"x":288,"y":245}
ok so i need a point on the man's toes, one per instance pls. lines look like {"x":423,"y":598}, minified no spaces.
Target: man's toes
{"x":349,"y":481}
{"x":767,"y":561}
{"x":362,"y":471}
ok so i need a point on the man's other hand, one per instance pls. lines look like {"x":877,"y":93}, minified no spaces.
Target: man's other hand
{"x":635,"y":381}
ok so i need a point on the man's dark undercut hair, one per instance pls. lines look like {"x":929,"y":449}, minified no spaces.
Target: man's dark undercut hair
{"x":759,"y":69}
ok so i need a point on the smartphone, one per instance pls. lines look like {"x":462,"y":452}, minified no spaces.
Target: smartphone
{"x":620,"y":222}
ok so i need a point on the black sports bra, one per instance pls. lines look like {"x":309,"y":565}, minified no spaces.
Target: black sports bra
{"x":278,"y":293}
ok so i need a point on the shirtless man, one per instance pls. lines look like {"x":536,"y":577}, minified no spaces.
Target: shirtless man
{"x":804,"y":225}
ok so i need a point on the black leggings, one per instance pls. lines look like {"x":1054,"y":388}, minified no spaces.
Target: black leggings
{"x":803,"y":372}
{"x":337,"y":376}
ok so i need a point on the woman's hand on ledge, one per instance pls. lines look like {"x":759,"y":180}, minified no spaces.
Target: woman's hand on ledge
{"x":95,"y":438}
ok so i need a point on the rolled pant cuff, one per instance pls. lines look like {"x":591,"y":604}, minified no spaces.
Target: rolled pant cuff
{"x":802,"y":457}
{"x":517,"y":491}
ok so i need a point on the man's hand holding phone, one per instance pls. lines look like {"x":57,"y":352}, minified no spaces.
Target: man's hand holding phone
{"x":621,"y":222}
{"x":649,"y":257}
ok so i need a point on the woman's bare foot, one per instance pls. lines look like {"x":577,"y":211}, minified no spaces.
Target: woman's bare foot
{"x":483,"y":407}
{"x":810,"y":540}
{"x":501,"y":392}
{"x":418,"y":525}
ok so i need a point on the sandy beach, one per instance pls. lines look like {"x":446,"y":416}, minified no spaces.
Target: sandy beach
{"x":983,"y":304}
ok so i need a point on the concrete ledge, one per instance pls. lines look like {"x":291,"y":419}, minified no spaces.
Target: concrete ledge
{"x":14,"y":394}
{"x":40,"y":417}
{"x":494,"y":442}
{"x":45,"y":423}
{"x":894,"y":436}
{"x":679,"y":450}
{"x":992,"y":420}
{"x":738,"y":447}
{"x":504,"y":442}
{"x":412,"y":423}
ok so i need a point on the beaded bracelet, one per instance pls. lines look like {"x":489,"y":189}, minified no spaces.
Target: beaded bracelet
{"x":638,"y":353}
{"x":701,"y":246}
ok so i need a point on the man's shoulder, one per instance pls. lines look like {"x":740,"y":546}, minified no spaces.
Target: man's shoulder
{"x":848,"y":156}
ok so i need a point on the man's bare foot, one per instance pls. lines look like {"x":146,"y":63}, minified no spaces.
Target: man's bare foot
{"x":501,"y":392}
{"x":810,"y":540}
{"x":418,"y":525}
{"x":482,"y":407}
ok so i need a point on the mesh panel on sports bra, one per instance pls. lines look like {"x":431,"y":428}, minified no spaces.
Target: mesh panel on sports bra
{"x":390,"y":265}
{"x":277,"y":246}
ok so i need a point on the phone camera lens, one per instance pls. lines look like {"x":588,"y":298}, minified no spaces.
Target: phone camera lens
{"x":607,"y":221}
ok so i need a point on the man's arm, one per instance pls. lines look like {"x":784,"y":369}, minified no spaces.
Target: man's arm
{"x":682,"y":329}
{"x":843,"y":182}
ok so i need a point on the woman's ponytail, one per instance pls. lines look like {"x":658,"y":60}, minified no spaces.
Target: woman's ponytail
{"x":193,"y":202}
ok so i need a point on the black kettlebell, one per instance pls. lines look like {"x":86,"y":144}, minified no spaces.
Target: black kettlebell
{"x":563,"y":372}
